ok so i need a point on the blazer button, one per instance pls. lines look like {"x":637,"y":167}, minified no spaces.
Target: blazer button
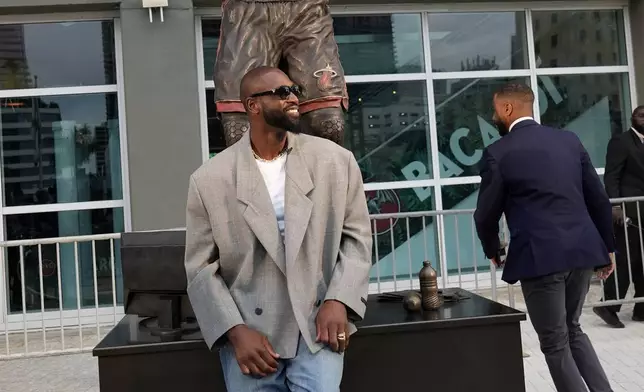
{"x":259,"y":311}
{"x":317,"y":303}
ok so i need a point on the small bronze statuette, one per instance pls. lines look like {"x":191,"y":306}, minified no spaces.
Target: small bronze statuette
{"x":412,"y":302}
{"x":431,"y":299}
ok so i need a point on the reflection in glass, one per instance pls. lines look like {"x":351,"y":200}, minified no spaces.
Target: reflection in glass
{"x":463,"y":249}
{"x":63,"y":224}
{"x":413,"y":239}
{"x":477,"y":41}
{"x":565,"y":41}
{"x":210,"y":33}
{"x":594,"y":111}
{"x":464,"y":111}
{"x":380,"y":44}
{"x":60,"y":149}
{"x":57,"y":54}
{"x":388,"y":131}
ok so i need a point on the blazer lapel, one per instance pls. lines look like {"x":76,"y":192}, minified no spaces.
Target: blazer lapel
{"x":298,"y":206}
{"x":259,"y":212}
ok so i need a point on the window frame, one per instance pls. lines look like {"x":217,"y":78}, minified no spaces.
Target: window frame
{"x":122,"y":203}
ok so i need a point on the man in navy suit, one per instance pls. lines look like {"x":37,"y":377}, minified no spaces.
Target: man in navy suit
{"x":560,"y":222}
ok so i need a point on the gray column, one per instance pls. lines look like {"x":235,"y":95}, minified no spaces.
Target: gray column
{"x":162,"y":109}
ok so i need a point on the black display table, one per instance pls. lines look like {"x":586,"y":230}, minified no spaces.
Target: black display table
{"x":471,"y":345}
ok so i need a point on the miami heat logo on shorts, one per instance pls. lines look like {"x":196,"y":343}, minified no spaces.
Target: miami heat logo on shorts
{"x":324,"y":77}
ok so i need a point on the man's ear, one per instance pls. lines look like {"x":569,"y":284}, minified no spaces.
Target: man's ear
{"x":252,"y":106}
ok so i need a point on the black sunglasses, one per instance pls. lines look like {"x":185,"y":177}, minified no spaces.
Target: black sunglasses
{"x":283,"y":92}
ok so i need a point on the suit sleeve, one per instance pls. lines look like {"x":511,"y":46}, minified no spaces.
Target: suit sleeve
{"x":350,"y":280}
{"x":616,"y":155}
{"x":490,"y":204}
{"x":211,"y":301}
{"x":597,"y":201}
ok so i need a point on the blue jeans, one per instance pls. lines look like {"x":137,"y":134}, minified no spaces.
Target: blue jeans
{"x":307,"y":372}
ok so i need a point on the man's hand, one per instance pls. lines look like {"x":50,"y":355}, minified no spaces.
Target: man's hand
{"x":332,"y":321}
{"x":605,"y":272}
{"x":254,"y":353}
{"x":618,"y":216}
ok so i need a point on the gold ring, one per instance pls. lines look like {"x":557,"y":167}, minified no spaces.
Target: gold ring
{"x":342,"y":336}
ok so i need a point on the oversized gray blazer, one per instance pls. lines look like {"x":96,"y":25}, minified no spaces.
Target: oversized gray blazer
{"x":241,"y":271}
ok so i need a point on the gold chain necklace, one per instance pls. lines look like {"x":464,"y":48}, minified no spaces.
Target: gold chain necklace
{"x":281,"y":153}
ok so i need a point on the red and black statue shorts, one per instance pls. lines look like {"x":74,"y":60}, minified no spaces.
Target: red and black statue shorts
{"x":298,"y":33}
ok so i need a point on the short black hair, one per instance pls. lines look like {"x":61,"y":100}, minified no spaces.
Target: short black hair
{"x":516,"y":91}
{"x":638,"y":110}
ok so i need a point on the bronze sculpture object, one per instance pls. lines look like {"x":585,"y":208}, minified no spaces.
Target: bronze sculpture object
{"x":431,"y":298}
{"x":294,"y":35}
{"x":412,"y":302}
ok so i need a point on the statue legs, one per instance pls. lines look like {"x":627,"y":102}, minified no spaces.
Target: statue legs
{"x":314,"y":64}
{"x":238,"y":52}
{"x":234,"y":125}
{"x":326,"y":122}
{"x":304,"y":40}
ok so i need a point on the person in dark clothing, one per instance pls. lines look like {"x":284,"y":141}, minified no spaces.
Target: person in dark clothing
{"x":559,"y":218}
{"x":624,"y":177}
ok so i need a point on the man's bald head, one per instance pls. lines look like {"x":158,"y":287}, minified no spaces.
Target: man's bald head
{"x":258,"y":80}
{"x":270,"y":100}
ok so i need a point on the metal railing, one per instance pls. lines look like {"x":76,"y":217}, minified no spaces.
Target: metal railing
{"x":41,"y":315}
{"x":72,"y":299}
{"x":629,"y":269}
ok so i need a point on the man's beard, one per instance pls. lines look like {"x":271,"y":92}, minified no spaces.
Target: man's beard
{"x":503,"y":130}
{"x":638,"y":127}
{"x":280,"y":120}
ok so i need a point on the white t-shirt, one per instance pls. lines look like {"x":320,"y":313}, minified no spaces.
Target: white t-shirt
{"x":274,"y":173}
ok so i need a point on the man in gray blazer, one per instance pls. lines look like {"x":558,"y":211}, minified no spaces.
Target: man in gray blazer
{"x":278,"y":248}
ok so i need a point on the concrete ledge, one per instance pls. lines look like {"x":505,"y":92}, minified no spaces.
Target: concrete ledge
{"x":53,"y":7}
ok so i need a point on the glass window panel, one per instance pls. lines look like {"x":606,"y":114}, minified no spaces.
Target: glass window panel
{"x":380,"y":44}
{"x":571,"y":28}
{"x":367,"y":44}
{"x":388,"y":132}
{"x":594,"y":111}
{"x":478,"y":41}
{"x":414,"y":239}
{"x":57,"y":54}
{"x":63,"y":224}
{"x":60,"y":149}
{"x":210,"y":33}
{"x":464,"y":113}
{"x":462,"y":246}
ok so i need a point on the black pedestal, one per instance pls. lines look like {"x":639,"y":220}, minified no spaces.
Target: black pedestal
{"x":472,"y":345}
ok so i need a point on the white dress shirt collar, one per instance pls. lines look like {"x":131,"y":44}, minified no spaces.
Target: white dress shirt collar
{"x":518,"y":120}
{"x":639,"y":135}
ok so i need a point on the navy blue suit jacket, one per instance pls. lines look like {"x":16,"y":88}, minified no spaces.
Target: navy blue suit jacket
{"x":557,"y":210}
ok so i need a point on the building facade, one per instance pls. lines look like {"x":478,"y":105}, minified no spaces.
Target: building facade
{"x":106,"y":109}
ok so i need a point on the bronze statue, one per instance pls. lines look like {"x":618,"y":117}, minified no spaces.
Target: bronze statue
{"x":295,"y":35}
{"x":412,"y":302}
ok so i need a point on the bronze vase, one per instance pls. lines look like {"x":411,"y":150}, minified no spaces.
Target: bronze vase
{"x":431,"y":300}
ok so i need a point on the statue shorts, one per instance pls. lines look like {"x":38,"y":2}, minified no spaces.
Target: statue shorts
{"x":296,"y":36}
